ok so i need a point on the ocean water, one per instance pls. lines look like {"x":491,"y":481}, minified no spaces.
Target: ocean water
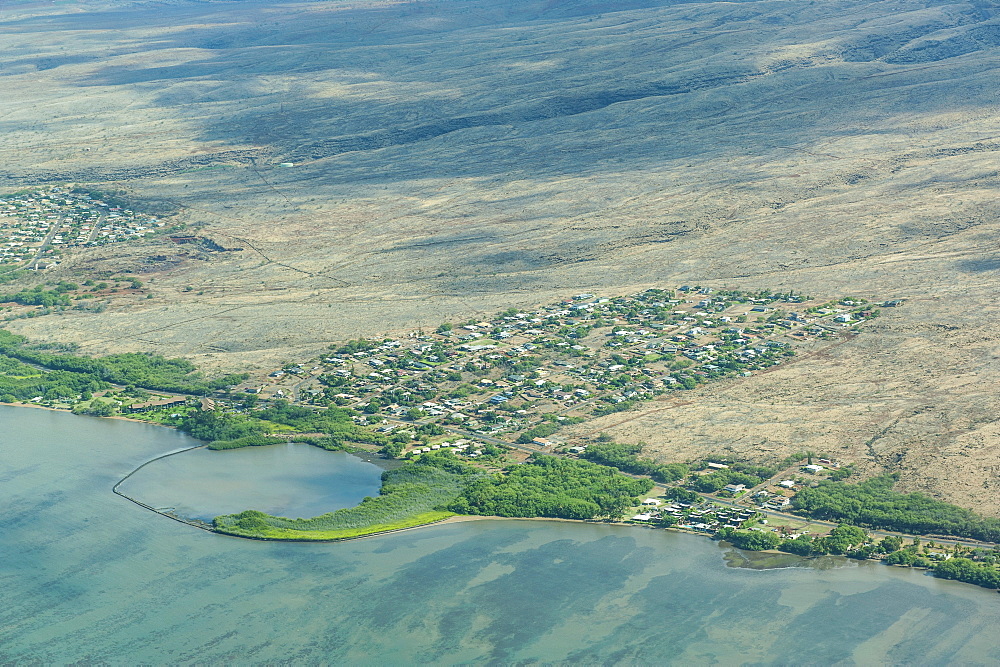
{"x":88,"y":576}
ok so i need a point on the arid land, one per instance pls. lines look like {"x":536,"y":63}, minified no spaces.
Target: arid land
{"x":454,"y":159}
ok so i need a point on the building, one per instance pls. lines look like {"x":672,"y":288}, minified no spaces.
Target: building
{"x":154,"y":405}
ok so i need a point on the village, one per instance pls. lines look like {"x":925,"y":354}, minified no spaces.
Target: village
{"x":37,"y":225}
{"x":521,"y":375}
{"x":495,"y":392}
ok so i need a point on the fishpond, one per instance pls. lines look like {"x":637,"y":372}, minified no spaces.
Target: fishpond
{"x":292,"y":480}
{"x":89,"y":576}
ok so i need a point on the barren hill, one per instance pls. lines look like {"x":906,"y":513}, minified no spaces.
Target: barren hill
{"x":457,"y":157}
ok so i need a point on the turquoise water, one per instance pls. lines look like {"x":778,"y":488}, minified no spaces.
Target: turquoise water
{"x":88,"y":576}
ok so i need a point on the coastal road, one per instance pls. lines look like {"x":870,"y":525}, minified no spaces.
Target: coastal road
{"x":831,"y":524}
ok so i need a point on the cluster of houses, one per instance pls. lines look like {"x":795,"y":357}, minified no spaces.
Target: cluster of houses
{"x":702,"y":517}
{"x":779,"y":497}
{"x":462,"y":447}
{"x":581,"y":356}
{"x":36,"y":224}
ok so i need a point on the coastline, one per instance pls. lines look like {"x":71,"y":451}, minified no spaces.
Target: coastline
{"x":439,"y":521}
{"x":120,"y":417}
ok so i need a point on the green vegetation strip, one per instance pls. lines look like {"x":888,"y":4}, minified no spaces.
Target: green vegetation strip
{"x":874,"y":504}
{"x":247,"y":441}
{"x":77,"y":374}
{"x":625,"y":458}
{"x":271,"y":533}
{"x":225,"y":430}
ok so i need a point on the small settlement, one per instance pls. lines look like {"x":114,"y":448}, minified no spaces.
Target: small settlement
{"x":736,"y":506}
{"x":522,"y":374}
{"x":37,"y":225}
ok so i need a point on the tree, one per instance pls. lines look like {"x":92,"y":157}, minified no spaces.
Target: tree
{"x":963,"y":569}
{"x":211,"y":425}
{"x":901,"y":557}
{"x":801,"y":546}
{"x":96,"y":408}
{"x":553,"y":487}
{"x":841,"y":539}
{"x":392,"y":449}
{"x":750,"y":540}
{"x":415,"y":414}
{"x":890,"y":543}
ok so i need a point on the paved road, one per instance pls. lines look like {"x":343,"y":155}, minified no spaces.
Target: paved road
{"x":97,"y":228}
{"x":55,"y":227}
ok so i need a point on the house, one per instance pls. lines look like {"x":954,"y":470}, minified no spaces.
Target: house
{"x":813,"y":468}
{"x":155,"y":405}
{"x":718,"y":466}
{"x":843,"y":317}
{"x":735,"y":488}
{"x":652,"y":502}
{"x":641,"y":517}
{"x":787,"y":484}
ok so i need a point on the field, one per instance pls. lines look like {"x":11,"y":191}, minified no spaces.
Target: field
{"x":451,"y":160}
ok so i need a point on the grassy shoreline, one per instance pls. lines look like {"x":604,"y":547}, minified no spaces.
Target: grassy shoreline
{"x":411,"y":495}
{"x":288,"y":535}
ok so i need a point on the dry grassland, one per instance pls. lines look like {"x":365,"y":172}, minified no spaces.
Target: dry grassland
{"x":460,"y":158}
